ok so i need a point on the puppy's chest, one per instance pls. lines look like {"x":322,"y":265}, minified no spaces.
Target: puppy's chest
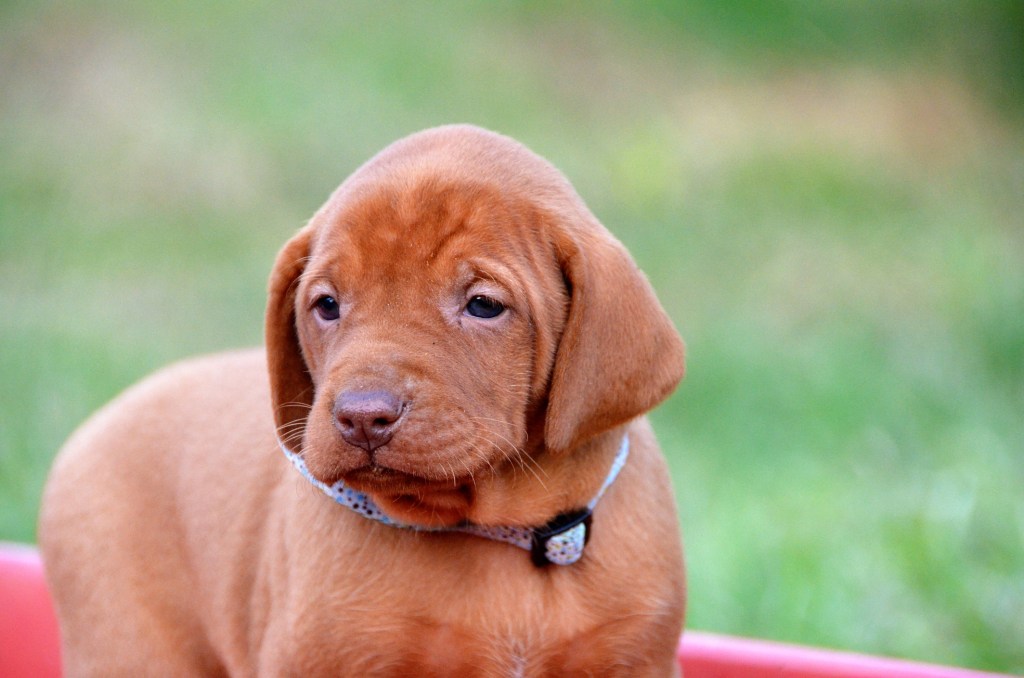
{"x":505,"y":642}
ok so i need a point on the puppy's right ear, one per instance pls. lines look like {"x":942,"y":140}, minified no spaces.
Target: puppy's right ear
{"x":291,"y":388}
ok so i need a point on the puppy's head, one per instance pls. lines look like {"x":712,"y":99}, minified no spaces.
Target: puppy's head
{"x":452,"y":308}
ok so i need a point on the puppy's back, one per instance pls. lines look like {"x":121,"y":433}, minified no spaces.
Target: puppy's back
{"x":125,"y":490}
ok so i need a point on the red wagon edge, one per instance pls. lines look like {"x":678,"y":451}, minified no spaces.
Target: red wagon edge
{"x":30,"y":643}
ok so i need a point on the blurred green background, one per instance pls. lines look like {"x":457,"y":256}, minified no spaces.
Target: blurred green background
{"x":828,"y":197}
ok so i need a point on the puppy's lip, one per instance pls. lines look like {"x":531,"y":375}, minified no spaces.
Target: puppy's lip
{"x":384,"y":479}
{"x":377,"y":476}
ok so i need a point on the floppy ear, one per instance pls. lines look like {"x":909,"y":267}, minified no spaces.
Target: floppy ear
{"x":291,"y":388}
{"x":619,"y":354}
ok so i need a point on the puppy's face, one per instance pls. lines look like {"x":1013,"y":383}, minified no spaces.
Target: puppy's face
{"x":453,"y":311}
{"x":427,"y":316}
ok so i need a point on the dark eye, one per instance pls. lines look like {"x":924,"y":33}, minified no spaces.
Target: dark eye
{"x":327,"y":308}
{"x":484,"y":307}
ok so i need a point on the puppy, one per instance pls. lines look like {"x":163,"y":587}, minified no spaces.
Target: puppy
{"x":438,"y":466}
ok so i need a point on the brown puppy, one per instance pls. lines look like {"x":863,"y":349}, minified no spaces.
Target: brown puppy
{"x":455,"y":336}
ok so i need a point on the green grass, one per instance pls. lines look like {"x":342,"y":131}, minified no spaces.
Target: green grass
{"x":827,"y":196}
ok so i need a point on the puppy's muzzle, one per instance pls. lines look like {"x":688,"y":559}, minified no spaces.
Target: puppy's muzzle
{"x":367,"y":419}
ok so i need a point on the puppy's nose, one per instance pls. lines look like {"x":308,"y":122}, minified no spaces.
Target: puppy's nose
{"x":367,"y":419}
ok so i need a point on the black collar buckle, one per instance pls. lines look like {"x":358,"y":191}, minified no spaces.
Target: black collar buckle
{"x":557,"y":527}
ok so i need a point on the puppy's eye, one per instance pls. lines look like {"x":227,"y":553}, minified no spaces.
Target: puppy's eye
{"x":327,"y":308}
{"x":484,"y":307}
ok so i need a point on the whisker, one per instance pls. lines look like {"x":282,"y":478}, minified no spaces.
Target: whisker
{"x":519,"y":459}
{"x":469,"y":470}
{"x":295,"y":403}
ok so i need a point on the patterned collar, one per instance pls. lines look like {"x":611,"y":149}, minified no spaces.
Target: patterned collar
{"x":561,"y":541}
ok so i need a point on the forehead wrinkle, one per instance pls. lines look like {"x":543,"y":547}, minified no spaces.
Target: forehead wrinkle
{"x":309,"y":277}
{"x":448,"y":239}
{"x":332,"y":259}
{"x":497,"y":273}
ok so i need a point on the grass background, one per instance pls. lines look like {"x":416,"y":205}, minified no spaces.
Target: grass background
{"x":828,"y":197}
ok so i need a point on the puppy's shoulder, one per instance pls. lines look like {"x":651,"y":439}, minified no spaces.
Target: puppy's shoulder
{"x":198,"y":381}
{"x":159,"y":410}
{"x":243,"y":368}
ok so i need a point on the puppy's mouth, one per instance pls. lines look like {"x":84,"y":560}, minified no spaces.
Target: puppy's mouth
{"x":413,"y":499}
{"x":377,"y":477}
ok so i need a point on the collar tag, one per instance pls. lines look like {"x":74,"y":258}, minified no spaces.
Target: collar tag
{"x":561,"y":541}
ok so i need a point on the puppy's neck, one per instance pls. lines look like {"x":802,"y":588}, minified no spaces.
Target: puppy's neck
{"x":542,"y":484}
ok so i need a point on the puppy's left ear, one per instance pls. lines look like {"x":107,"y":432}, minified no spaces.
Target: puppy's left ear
{"x":291,"y":388}
{"x":619,"y":354}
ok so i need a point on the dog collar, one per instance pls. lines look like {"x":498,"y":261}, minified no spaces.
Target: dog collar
{"x":560,"y":541}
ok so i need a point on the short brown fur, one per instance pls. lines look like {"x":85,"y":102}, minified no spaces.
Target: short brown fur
{"x":179,"y":541}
